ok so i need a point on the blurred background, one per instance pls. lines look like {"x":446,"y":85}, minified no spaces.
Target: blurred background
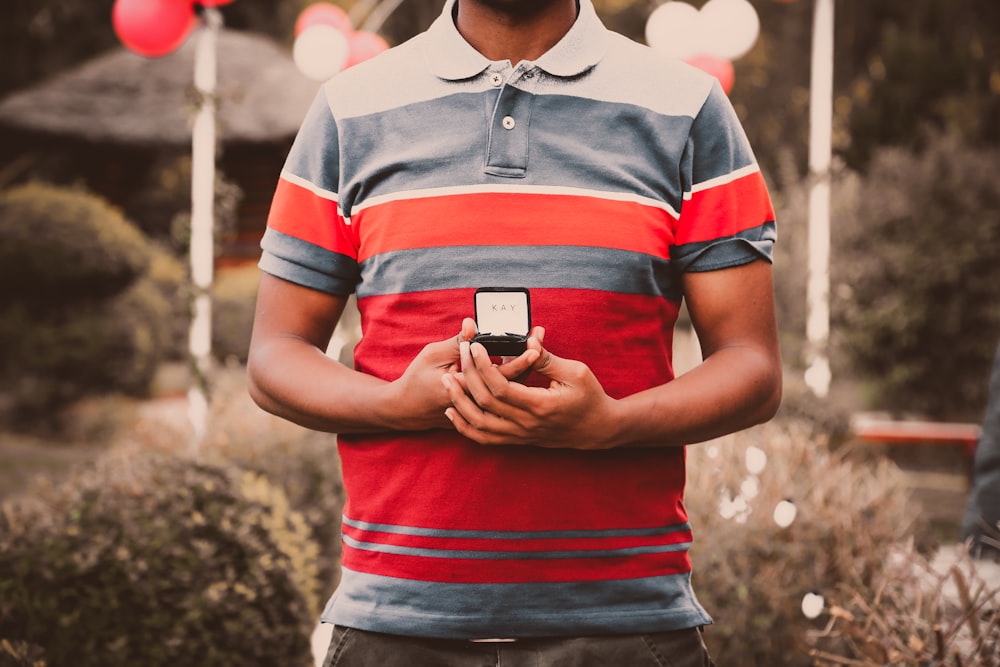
{"x":140,"y":528}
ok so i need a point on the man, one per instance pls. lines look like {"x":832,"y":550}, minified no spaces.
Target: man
{"x":981,"y":522}
{"x":518,"y":143}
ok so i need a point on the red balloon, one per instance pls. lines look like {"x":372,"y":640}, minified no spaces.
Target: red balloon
{"x":362,"y":46}
{"x":720,"y":68}
{"x":324,"y":13}
{"x":153,"y":28}
{"x":213,"y":3}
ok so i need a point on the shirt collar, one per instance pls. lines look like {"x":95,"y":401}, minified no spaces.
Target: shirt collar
{"x":450,"y":57}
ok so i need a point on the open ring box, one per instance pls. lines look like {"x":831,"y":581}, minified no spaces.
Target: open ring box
{"x":503,"y":319}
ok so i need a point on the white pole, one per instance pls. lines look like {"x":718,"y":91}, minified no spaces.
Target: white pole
{"x":202,"y":213}
{"x":817,"y":375}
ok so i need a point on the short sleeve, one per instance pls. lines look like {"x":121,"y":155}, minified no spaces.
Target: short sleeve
{"x":308,"y":240}
{"x":726,"y":217}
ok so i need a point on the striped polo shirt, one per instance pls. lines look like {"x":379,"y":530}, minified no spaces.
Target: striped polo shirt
{"x":595,"y":176}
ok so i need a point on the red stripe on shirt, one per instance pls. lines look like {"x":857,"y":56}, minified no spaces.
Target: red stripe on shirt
{"x":526,"y":219}
{"x":301,"y":213}
{"x":476,"y":571}
{"x":725,"y":210}
{"x":520,"y":544}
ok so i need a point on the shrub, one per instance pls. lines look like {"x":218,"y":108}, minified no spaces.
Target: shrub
{"x":915,"y":612}
{"x":95,"y":302}
{"x":234,"y":301}
{"x":161,"y":206}
{"x":791,"y":253}
{"x":301,"y":462}
{"x":58,"y":355}
{"x":917,"y":275}
{"x":58,"y":244}
{"x":170,"y":279}
{"x":750,"y":573}
{"x":20,"y":654}
{"x":152,"y":560}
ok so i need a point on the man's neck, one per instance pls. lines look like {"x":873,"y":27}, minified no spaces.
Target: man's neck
{"x":514,"y":30}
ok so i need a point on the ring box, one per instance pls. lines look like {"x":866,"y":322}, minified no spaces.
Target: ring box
{"x":503,"y":319}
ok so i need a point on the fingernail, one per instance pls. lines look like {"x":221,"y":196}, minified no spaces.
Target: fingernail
{"x":446,"y":381}
{"x":450,"y":414}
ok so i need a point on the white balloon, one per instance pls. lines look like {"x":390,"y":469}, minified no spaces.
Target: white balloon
{"x":756,"y":460}
{"x":729,"y":28}
{"x":812,"y":605}
{"x":320,"y":51}
{"x":674,"y":29}
{"x":784,"y":513}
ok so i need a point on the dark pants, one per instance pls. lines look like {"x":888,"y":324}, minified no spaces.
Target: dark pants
{"x":357,"y":648}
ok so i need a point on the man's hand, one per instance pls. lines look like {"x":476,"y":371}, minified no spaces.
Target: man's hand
{"x":489,"y":408}
{"x":418,"y":392}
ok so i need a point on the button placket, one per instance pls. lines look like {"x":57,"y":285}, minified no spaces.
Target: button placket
{"x":507,"y":148}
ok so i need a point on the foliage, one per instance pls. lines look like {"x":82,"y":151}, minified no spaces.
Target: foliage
{"x":63,"y":244}
{"x":923,"y":62}
{"x":40,"y":38}
{"x":20,"y":654}
{"x":93,"y":302}
{"x":301,"y":462}
{"x":791,"y":254}
{"x":156,"y":560}
{"x":162,"y":205}
{"x":750,"y":573}
{"x":915,"y":613}
{"x":916,"y":275}
{"x":234,"y":295}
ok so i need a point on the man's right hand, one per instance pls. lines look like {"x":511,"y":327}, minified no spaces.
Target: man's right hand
{"x":419,"y":392}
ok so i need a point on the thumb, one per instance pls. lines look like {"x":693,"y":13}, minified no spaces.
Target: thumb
{"x":552,"y":366}
{"x":451,"y":348}
{"x":468,"y":331}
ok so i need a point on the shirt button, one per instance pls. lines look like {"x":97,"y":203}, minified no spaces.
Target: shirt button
{"x":508,"y":123}
{"x":496,"y":79}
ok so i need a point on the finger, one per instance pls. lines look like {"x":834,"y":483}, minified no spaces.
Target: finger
{"x":515,"y":367}
{"x":463,"y":404}
{"x":477,"y":424}
{"x":538,"y":334}
{"x":469,"y":329}
{"x":478,"y":436}
{"x":492,"y":391}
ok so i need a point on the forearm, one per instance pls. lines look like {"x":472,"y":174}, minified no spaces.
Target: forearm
{"x":298,"y":382}
{"x":734,"y":389}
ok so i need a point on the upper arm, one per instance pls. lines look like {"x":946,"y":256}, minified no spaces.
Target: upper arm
{"x":734,"y":306}
{"x":286,"y":310}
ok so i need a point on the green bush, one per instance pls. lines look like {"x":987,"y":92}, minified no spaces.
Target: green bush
{"x":56,"y":356}
{"x":96,"y":307}
{"x":158,"y":560}
{"x":916,"y":269}
{"x":234,"y":294}
{"x":302,"y":462}
{"x":58,"y":244}
{"x":169,"y":276}
{"x":752,"y":574}
{"x":161,"y":206}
